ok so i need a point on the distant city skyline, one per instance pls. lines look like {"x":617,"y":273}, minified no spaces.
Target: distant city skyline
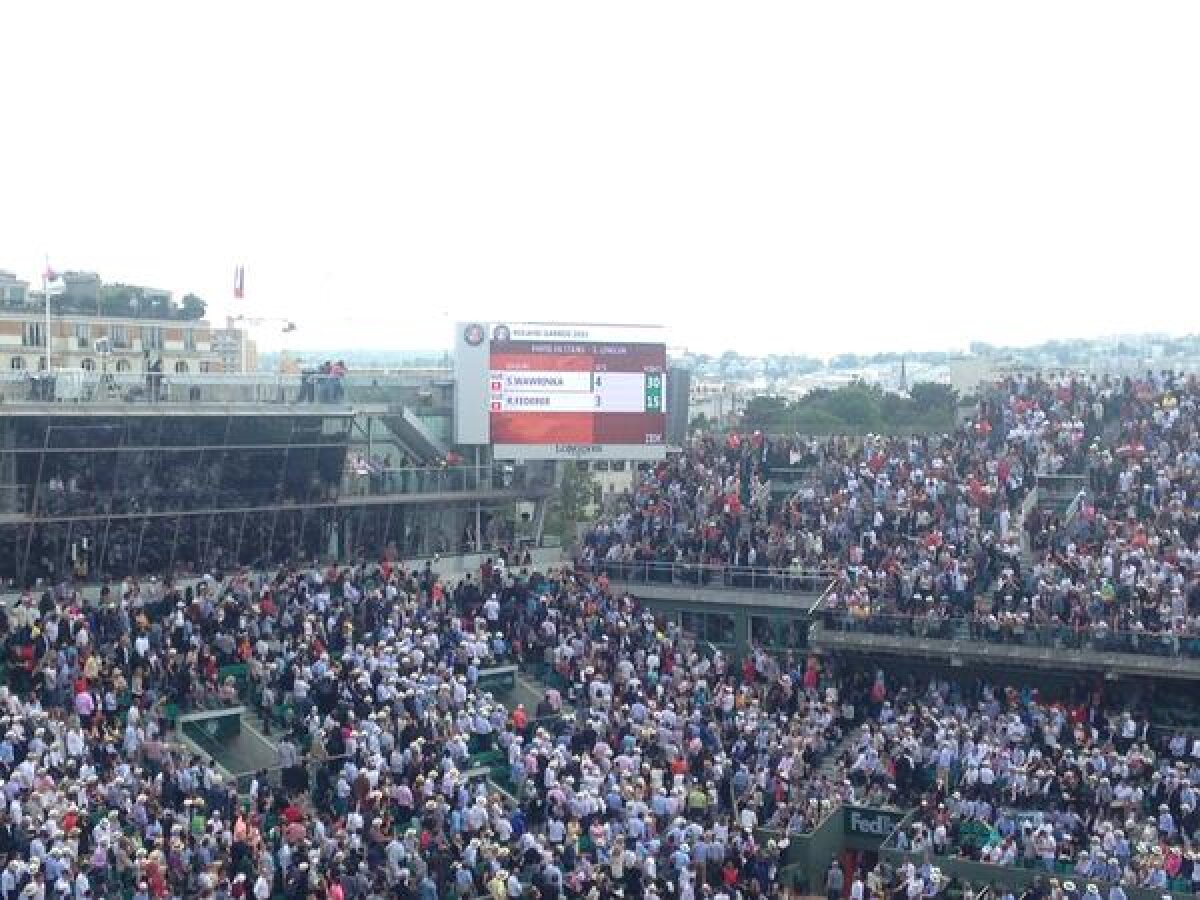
{"x":789,"y":178}
{"x":1188,"y":345}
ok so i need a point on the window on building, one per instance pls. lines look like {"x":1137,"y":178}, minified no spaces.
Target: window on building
{"x":123,"y":365}
{"x":151,"y":337}
{"x":189,"y":339}
{"x":181,"y":367}
{"x":88,"y":365}
{"x":205,"y":367}
{"x":600,"y":465}
{"x":582,"y":465}
{"x":83,"y":335}
{"x":119,"y":335}
{"x":34,"y":335}
{"x":17,"y":362}
{"x":618,"y":465}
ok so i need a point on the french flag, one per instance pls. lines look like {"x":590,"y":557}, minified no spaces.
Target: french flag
{"x":239,"y":282}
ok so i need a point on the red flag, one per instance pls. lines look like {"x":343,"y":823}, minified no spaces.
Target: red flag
{"x":239,"y":283}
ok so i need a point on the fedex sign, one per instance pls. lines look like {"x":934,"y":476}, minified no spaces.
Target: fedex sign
{"x":871,"y":825}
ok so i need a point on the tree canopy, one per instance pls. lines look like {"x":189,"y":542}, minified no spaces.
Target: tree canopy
{"x":125,"y":301}
{"x":857,"y":405}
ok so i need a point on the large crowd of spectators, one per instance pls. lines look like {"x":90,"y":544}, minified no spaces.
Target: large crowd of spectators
{"x":1077,"y":787}
{"x":936,"y":534}
{"x":651,"y":764}
{"x":650,"y":769}
{"x":939,"y":536}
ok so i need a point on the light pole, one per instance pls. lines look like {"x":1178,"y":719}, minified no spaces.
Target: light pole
{"x":46,"y":273}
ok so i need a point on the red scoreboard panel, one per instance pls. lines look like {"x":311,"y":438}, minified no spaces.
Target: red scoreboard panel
{"x":563,"y":391}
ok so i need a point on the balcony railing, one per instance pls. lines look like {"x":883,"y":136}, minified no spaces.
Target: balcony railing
{"x":1092,"y":639}
{"x":790,"y":580}
{"x":171,"y":495}
{"x":81,"y":386}
{"x":373,"y":482}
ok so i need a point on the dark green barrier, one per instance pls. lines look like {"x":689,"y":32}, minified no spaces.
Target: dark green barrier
{"x":866,"y":828}
{"x":980,"y":874}
{"x":501,"y":678}
{"x":240,"y":673}
{"x":210,"y":730}
{"x":804,"y":861}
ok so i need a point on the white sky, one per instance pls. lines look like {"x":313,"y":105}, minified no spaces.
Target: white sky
{"x":763,"y":177}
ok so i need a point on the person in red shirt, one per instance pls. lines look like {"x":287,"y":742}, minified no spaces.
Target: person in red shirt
{"x":156,"y":879}
{"x":729,"y":874}
{"x":292,"y":813}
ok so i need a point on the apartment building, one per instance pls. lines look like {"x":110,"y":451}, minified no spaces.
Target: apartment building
{"x":119,"y":329}
{"x":96,"y":343}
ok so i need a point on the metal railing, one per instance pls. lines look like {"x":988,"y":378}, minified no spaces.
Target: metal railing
{"x":176,"y":495}
{"x":81,"y":386}
{"x":786,"y":479}
{"x":1059,"y":488}
{"x":367,"y":481}
{"x":1071,"y":516}
{"x":785,"y":580}
{"x":1059,"y":637}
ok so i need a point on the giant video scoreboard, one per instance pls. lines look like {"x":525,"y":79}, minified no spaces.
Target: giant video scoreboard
{"x":554,"y":391}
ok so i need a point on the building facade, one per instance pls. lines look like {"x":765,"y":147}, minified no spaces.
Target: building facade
{"x":109,"y":344}
{"x":13,"y":291}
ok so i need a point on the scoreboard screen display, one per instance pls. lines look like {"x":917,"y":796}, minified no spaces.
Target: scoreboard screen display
{"x":563,"y":391}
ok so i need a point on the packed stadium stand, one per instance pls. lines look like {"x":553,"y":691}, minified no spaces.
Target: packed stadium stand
{"x":952,"y":665}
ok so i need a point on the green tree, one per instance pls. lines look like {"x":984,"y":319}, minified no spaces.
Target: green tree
{"x":119,"y":300}
{"x":765,"y":410}
{"x":157,"y":305}
{"x":857,"y":404}
{"x":193,"y":307}
{"x":577,"y":491}
{"x":932,"y":397}
{"x":895,"y":409}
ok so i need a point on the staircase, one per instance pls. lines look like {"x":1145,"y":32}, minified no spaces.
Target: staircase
{"x":529,"y":688}
{"x":413,"y":435}
{"x":829,"y":767}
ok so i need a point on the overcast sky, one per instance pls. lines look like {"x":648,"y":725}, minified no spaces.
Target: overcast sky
{"x":758,"y":176}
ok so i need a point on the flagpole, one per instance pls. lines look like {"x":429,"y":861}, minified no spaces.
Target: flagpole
{"x":46,"y":296}
{"x":239,"y":293}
